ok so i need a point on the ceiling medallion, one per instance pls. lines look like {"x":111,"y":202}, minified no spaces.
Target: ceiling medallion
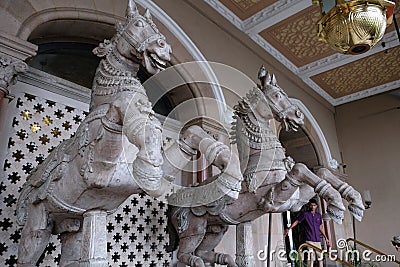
{"x":353,"y":27}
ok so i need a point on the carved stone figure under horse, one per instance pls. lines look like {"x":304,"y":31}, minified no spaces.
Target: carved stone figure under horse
{"x":272,"y":182}
{"x":95,"y":171}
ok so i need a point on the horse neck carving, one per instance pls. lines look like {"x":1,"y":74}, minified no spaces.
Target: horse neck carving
{"x":258,"y":146}
{"x":254,"y":111}
{"x":137,"y":42}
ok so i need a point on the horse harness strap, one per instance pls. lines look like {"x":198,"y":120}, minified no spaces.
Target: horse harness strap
{"x":100,"y":113}
{"x":280,"y":113}
{"x":111,"y":126}
{"x":140,"y":46}
{"x":226,"y":219}
{"x":62,"y":205}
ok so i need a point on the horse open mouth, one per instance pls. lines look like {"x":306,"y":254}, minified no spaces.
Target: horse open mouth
{"x":291,"y":125}
{"x":156,"y":61}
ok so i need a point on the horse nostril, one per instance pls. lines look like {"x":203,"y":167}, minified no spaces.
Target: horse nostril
{"x":161,"y":43}
{"x":299,"y":114}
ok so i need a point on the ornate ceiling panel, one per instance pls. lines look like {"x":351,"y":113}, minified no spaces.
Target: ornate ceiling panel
{"x":287,"y":30}
{"x":373,"y":71}
{"x":296,"y":37}
{"x":246,"y":8}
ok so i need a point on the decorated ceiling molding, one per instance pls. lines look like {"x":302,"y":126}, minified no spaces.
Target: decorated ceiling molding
{"x":287,"y":30}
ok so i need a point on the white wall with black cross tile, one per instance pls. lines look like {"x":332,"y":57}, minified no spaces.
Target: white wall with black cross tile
{"x":136,"y":231}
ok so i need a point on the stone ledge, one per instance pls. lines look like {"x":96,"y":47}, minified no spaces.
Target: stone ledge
{"x":16,"y":47}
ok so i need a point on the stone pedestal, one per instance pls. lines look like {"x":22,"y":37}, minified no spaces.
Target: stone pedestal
{"x":94,"y":242}
{"x":244,"y":245}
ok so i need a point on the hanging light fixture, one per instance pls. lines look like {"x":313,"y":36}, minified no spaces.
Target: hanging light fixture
{"x":353,"y":26}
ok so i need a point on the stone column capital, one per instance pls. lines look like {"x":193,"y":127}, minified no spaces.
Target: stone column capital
{"x":13,"y":52}
{"x":9,"y":69}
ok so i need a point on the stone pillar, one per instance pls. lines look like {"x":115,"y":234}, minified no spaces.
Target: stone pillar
{"x":94,"y":241}
{"x":9,"y":69}
{"x":13,"y":52}
{"x":244,"y":245}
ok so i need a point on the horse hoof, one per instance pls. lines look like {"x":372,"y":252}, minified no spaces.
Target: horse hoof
{"x":335,"y":213}
{"x":356,"y":211}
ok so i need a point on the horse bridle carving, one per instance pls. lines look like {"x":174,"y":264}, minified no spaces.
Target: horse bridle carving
{"x":130,"y":39}
{"x":282,"y":114}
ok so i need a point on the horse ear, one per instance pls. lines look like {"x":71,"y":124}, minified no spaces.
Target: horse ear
{"x":147,"y":14}
{"x":273,"y":79}
{"x":262,"y":75}
{"x":268,"y":79}
{"x":103,"y":49}
{"x":131,"y":10}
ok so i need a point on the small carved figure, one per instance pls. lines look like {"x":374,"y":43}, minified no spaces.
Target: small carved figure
{"x":272,"y":182}
{"x":396,"y":242}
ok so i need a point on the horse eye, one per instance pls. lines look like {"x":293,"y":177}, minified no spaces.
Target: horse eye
{"x":139,"y":23}
{"x":278,"y":95}
{"x":298,"y":113}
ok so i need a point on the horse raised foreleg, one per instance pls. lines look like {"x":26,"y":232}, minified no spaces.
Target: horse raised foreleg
{"x":212,"y":238}
{"x":147,"y":167}
{"x":176,"y":157}
{"x":220,"y":156}
{"x":335,"y":208}
{"x":131,"y":113}
{"x":289,"y":194}
{"x":356,"y":206}
{"x":34,"y":236}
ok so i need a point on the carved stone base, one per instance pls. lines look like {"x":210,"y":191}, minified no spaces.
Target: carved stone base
{"x":94,"y":243}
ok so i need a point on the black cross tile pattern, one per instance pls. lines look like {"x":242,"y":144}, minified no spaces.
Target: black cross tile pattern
{"x":136,"y":231}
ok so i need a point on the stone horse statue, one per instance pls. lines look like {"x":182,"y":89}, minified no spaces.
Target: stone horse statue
{"x":272,"y":181}
{"x":90,"y":175}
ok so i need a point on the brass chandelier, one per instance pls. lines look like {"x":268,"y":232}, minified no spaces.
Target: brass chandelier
{"x":353,"y":26}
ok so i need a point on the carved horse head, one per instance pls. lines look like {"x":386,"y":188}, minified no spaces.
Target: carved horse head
{"x":283,"y":109}
{"x":138,"y":41}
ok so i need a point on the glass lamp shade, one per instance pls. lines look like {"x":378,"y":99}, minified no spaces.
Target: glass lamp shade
{"x":353,"y":27}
